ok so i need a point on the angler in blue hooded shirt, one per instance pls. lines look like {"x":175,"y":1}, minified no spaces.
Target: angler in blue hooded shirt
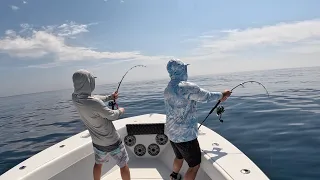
{"x":181,"y":97}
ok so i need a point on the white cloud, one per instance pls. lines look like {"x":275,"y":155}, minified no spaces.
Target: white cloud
{"x":24,"y":2}
{"x":285,"y":40}
{"x":50,"y":42}
{"x":309,"y":47}
{"x":72,"y":29}
{"x":44,"y":66}
{"x":26,"y":28}
{"x":15,"y":8}
{"x":67,"y":29}
{"x":283,"y":35}
{"x":43,"y":43}
{"x":10,"y":32}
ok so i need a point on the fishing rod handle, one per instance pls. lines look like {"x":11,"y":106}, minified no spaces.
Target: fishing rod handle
{"x":114,"y":100}
{"x":209,"y":113}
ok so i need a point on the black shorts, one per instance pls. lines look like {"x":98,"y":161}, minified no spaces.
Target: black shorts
{"x":189,"y":151}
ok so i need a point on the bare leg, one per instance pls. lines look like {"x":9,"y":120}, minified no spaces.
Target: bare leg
{"x":125,"y":172}
{"x":177,"y":164}
{"x":192,"y":173}
{"x":97,"y":171}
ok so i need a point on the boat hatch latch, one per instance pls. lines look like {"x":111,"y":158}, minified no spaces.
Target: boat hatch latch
{"x":22,"y":167}
{"x":61,"y":146}
{"x":245,"y":171}
{"x":85,"y":135}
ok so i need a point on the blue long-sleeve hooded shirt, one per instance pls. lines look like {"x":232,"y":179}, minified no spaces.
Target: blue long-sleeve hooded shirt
{"x":180,"y":98}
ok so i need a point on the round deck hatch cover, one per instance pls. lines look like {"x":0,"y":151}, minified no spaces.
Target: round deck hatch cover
{"x":153,"y":149}
{"x":161,"y":139}
{"x":130,"y":140}
{"x":140,"y":150}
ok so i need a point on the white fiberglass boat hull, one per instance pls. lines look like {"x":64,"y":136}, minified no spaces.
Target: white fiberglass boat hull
{"x":73,"y":158}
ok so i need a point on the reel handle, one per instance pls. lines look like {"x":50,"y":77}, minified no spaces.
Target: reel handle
{"x":112,"y":104}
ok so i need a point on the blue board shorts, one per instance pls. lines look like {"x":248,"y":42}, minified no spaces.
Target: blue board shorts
{"x":120,"y":155}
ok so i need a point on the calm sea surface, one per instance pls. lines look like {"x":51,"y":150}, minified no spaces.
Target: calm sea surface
{"x":281,"y":134}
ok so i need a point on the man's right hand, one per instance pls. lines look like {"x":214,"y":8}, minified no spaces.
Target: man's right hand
{"x":225,"y":95}
{"x":121,"y":110}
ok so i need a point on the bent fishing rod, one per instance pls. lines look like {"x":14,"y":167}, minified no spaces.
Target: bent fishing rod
{"x":113,"y":103}
{"x":220,"y":109}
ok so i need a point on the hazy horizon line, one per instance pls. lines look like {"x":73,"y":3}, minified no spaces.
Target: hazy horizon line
{"x":158,"y":79}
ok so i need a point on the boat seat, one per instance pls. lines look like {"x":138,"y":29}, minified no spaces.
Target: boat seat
{"x":143,"y":169}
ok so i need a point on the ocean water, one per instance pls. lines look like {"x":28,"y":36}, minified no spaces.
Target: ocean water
{"x":279,"y":133}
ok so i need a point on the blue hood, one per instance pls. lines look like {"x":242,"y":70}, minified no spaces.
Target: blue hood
{"x":177,"y":70}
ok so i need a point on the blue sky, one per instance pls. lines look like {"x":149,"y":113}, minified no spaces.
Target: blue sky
{"x":43,"y":42}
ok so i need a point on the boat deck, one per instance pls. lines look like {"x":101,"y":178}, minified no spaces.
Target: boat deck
{"x":73,"y":158}
{"x":142,"y":169}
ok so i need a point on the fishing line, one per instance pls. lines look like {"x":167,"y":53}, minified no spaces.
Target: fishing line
{"x":235,"y":105}
{"x":220,"y":109}
{"x":113,"y":103}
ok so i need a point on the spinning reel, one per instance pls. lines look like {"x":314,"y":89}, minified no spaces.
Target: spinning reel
{"x":220,"y":110}
{"x":112,"y":104}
